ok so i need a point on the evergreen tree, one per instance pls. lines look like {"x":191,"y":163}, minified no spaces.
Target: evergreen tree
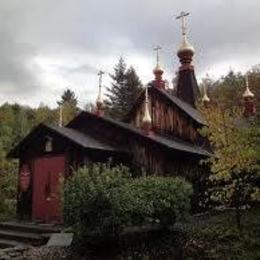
{"x":123,"y":92}
{"x":69,"y":97}
{"x":133,"y":87}
{"x":69,"y":103}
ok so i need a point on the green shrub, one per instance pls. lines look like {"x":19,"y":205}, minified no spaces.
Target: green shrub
{"x":8,"y":189}
{"x":162,"y":200}
{"x":104,"y":200}
{"x":91,"y":202}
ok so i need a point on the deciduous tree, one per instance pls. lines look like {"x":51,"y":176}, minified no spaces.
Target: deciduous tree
{"x":235,"y":163}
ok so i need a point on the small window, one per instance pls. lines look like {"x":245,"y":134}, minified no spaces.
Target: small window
{"x":48,"y":145}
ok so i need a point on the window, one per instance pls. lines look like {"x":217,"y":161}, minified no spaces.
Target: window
{"x":48,"y":145}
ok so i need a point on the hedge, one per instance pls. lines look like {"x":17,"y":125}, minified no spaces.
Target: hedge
{"x":104,"y":200}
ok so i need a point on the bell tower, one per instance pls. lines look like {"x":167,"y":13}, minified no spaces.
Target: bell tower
{"x":187,"y":86}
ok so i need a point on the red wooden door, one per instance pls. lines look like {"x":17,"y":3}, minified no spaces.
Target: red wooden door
{"x":46,"y":193}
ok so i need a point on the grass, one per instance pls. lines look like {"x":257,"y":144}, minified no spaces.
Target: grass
{"x":216,"y":235}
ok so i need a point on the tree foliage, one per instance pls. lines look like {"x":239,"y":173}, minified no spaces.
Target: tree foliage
{"x":227,"y":90}
{"x":104,"y":200}
{"x":16,"y":122}
{"x":69,"y":97}
{"x":68,"y":103}
{"x":235,"y":163}
{"x":124,"y":90}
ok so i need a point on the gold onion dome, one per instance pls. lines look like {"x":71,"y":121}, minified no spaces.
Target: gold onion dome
{"x":147,"y":118}
{"x":185,"y":47}
{"x":205,"y":98}
{"x":248,"y":93}
{"x":99,"y":101}
{"x":158,"y":69}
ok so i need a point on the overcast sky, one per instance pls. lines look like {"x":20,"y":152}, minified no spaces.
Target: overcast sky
{"x":49,"y":45}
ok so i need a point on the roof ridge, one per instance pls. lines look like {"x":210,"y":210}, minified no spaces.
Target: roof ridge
{"x":181,"y":145}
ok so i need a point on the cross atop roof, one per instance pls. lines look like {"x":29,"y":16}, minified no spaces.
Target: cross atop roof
{"x":157,"y":49}
{"x":100,"y":74}
{"x":182,"y":17}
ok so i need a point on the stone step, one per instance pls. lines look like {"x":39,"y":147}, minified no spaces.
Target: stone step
{"x":32,"y":238}
{"x":5,"y":243}
{"x":30,"y":227}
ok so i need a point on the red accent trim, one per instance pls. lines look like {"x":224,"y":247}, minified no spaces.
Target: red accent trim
{"x":25,"y":178}
{"x":249,"y":107}
{"x":186,"y":67}
{"x":46,"y":180}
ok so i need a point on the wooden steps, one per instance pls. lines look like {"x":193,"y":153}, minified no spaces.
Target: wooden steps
{"x":31,"y":238}
{"x":5,"y":243}
{"x":30,"y":227}
{"x":14,"y":234}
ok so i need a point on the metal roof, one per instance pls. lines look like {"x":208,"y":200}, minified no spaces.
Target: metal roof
{"x":81,"y":139}
{"x":170,"y":143}
{"x":74,"y":136}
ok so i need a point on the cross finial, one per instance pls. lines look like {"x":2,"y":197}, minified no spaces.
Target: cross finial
{"x":247,"y":80}
{"x":183,"y":16}
{"x":99,"y":97}
{"x":60,"y":113}
{"x":157,"y":49}
{"x":100,"y":74}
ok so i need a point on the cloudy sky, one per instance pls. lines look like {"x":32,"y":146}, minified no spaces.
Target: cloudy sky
{"x":49,"y":45}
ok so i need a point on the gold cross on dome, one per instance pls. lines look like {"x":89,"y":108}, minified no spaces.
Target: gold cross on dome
{"x":100,"y":74}
{"x":157,"y":49}
{"x":182,"y":17}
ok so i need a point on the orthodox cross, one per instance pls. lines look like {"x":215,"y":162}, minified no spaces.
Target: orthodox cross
{"x":100,"y":74}
{"x":183,"y":16}
{"x":157,"y":49}
{"x":60,"y":113}
{"x":247,"y":81}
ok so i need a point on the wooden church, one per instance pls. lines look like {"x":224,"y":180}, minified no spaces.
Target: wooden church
{"x":159,"y":136}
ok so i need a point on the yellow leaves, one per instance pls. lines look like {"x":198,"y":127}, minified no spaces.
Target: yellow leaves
{"x":256,"y":195}
{"x":233,"y":145}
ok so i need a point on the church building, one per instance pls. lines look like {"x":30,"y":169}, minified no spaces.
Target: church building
{"x":159,"y":136}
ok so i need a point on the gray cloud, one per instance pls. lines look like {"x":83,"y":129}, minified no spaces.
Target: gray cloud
{"x":89,"y":33}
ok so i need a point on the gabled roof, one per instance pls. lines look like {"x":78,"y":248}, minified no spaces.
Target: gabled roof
{"x":71,"y":135}
{"x":172,"y":144}
{"x":183,"y":106}
{"x":81,"y":139}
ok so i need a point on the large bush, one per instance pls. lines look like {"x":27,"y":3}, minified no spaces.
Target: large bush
{"x":104,"y":200}
{"x":8,"y":186}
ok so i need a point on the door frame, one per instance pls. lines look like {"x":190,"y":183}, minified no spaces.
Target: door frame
{"x":35,"y":202}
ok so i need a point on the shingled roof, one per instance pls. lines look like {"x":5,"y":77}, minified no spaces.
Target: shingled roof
{"x":172,"y":144}
{"x":183,"y":106}
{"x":70,"y":134}
{"x":81,"y":139}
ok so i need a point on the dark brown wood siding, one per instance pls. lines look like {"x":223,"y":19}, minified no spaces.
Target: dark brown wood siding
{"x":167,"y":119}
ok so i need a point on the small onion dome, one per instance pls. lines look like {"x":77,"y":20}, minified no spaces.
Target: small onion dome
{"x":147,"y":118}
{"x":99,"y":102}
{"x":185,"y":47}
{"x":205,"y":98}
{"x":248,"y":93}
{"x":158,"y":69}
